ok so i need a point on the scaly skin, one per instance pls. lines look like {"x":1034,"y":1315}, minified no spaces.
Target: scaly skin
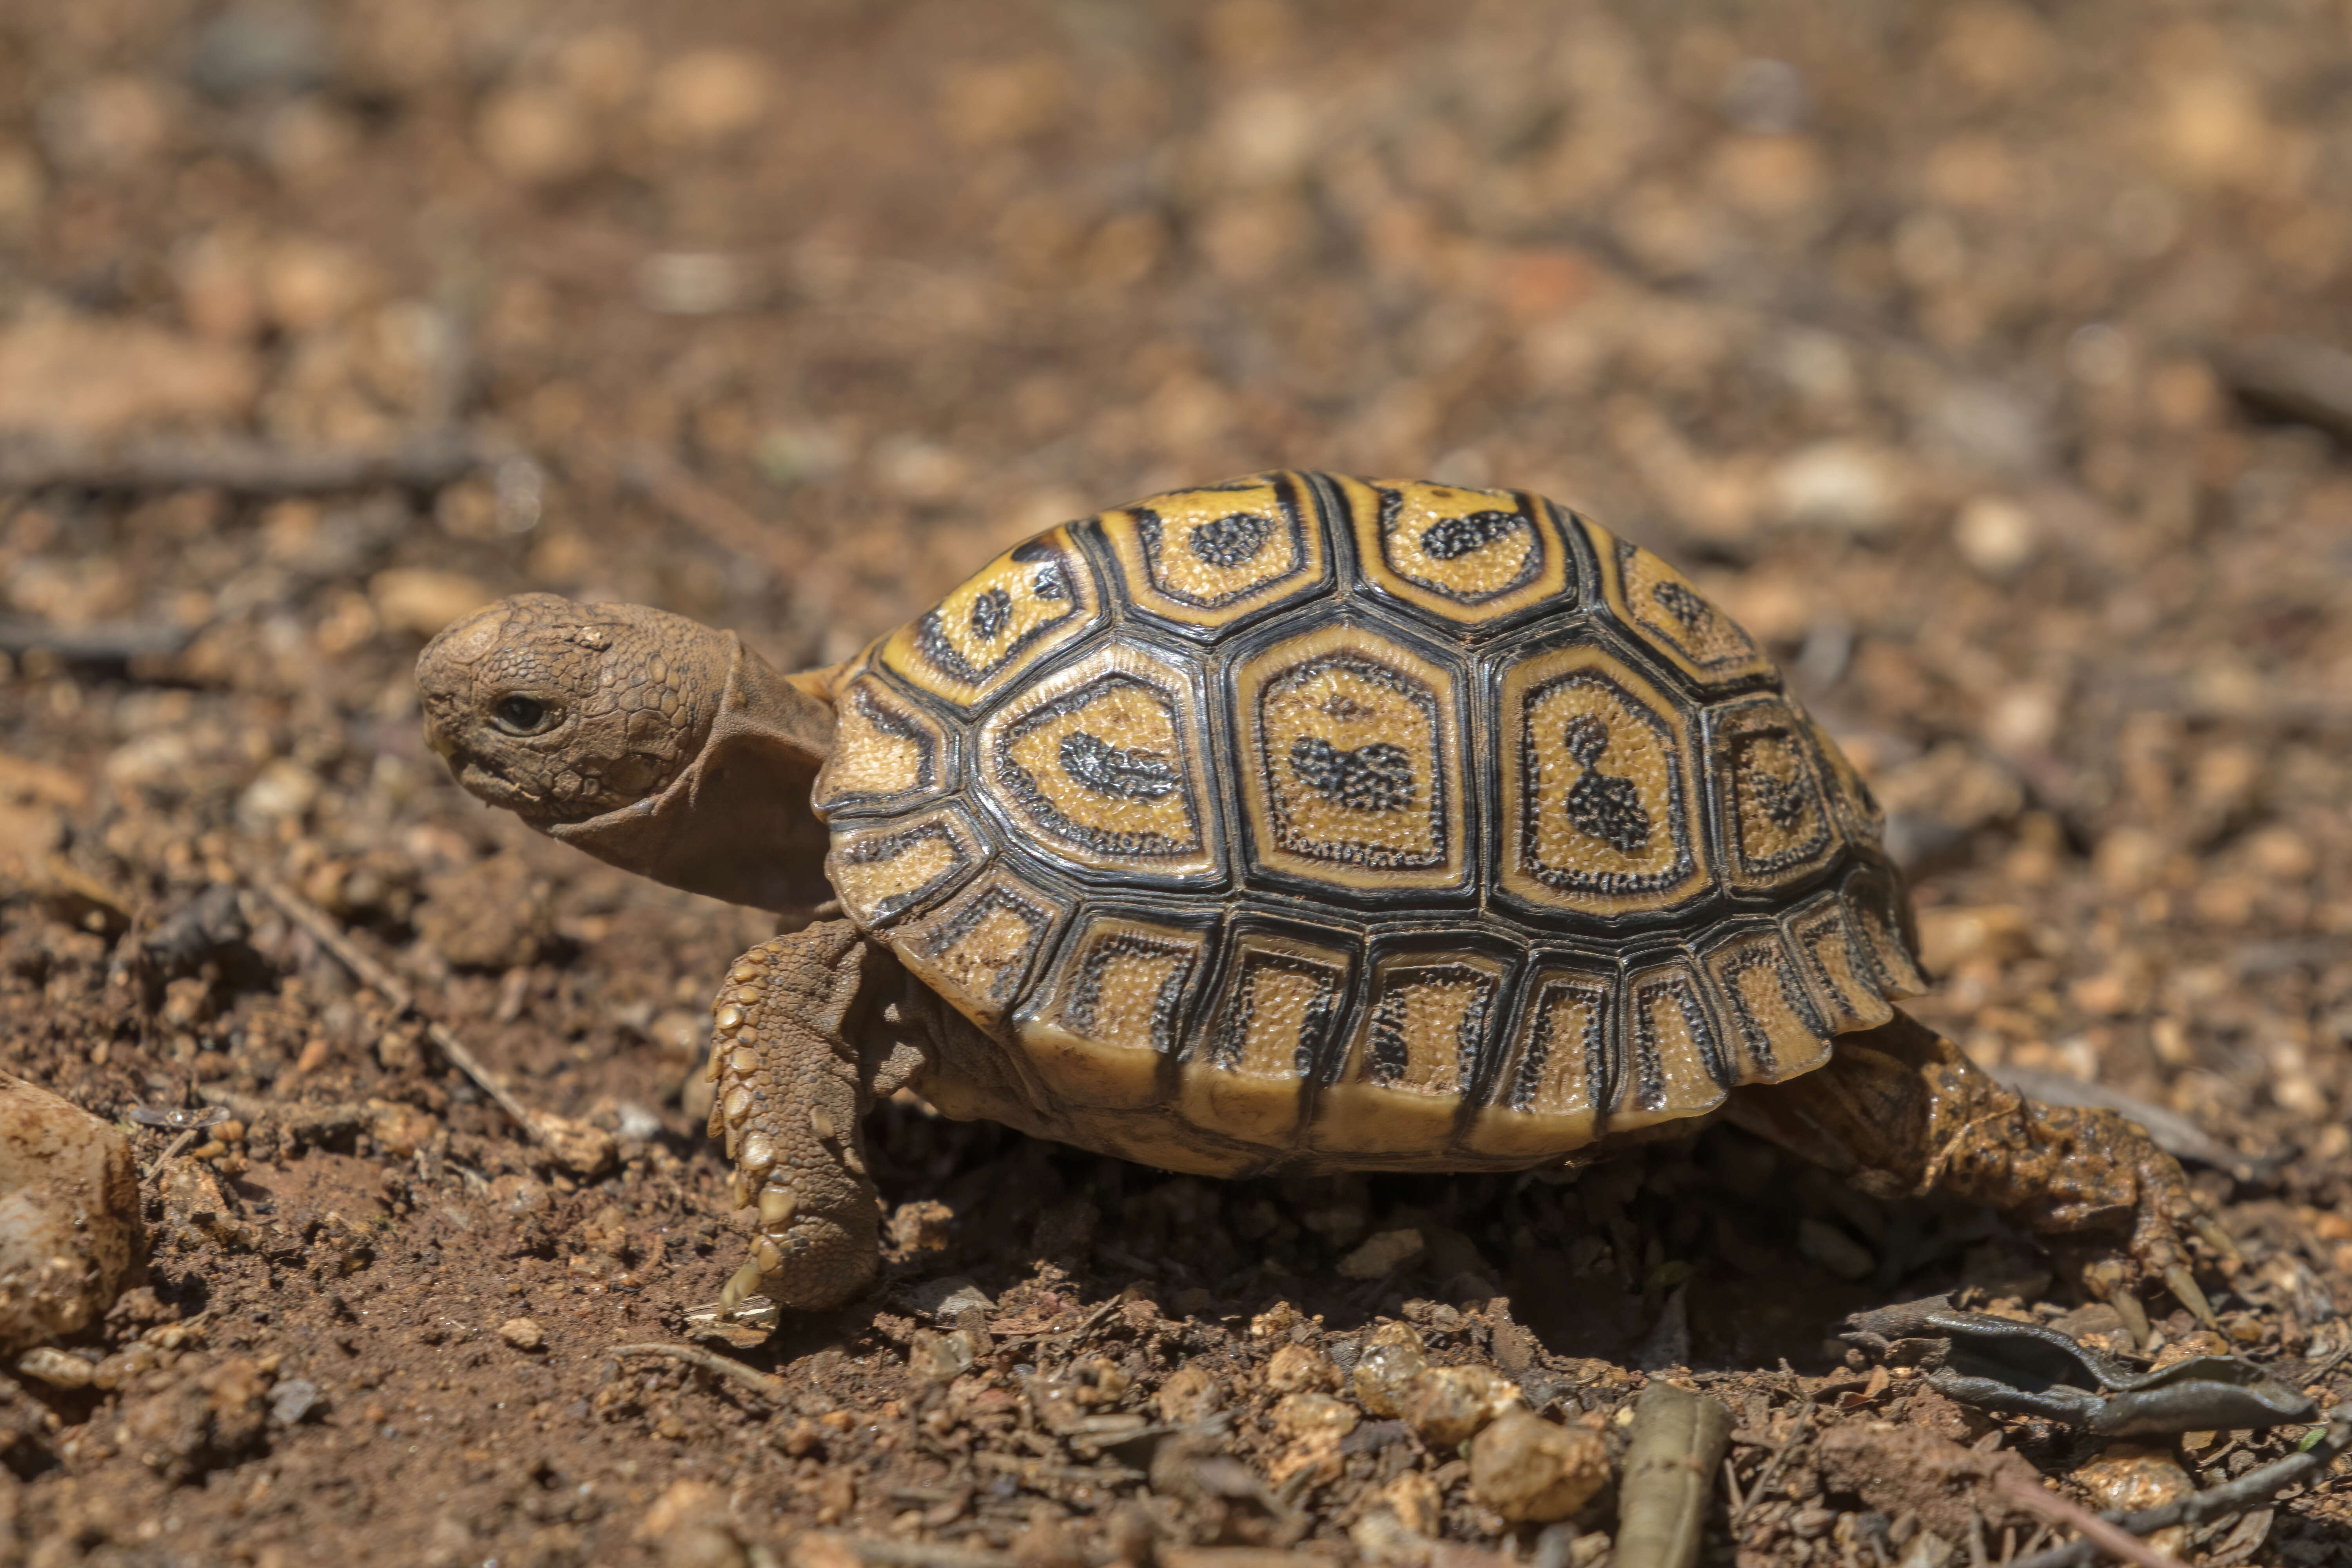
{"x":626,"y":696}
{"x":1901,"y":1110}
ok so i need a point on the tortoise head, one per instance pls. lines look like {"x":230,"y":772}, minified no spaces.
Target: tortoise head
{"x":560,"y":712}
{"x":650,"y":741}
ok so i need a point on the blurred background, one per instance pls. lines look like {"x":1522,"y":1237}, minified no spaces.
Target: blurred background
{"x":1908,"y":329}
{"x":1978,"y":355}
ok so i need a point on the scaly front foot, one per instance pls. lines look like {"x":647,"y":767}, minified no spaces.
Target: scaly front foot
{"x":790,"y":1102}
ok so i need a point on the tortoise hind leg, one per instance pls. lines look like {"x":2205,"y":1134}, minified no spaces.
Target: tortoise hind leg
{"x":793,"y":1094}
{"x":1900,"y":1109}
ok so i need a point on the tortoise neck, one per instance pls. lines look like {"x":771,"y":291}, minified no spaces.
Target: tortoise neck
{"x":736,"y":824}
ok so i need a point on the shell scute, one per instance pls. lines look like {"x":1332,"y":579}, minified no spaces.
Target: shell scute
{"x":1344,"y":823}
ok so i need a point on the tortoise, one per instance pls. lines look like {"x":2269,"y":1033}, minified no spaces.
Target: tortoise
{"x":1296,"y":823}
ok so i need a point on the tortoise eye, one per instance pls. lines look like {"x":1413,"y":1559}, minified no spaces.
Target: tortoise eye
{"x":520,"y":715}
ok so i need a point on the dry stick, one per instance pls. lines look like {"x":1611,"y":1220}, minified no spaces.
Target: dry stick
{"x":233,"y":463}
{"x":165,"y":1158}
{"x":1679,"y":1437}
{"x":718,"y":517}
{"x":2113,"y":1540}
{"x":771,"y":1388}
{"x":921,"y":1554}
{"x":1773,"y":1466}
{"x":2254,"y":1488}
{"x":382,"y":981}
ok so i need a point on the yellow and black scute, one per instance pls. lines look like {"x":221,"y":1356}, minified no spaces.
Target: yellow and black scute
{"x":1312,"y":821}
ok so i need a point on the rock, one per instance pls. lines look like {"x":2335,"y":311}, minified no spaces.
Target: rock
{"x":942,"y":1358}
{"x":586,"y":1151}
{"x":1386,"y":1371}
{"x":1383,"y":1252}
{"x":708,"y":97}
{"x":2130,"y":1478}
{"x":71,"y":1237}
{"x":688,"y":1527}
{"x":524,"y":1334}
{"x":294,"y":1400}
{"x":58,"y":1369}
{"x":108,"y":125}
{"x":81,"y":378}
{"x":307,"y":283}
{"x":1849,"y":486}
{"x":1997,"y":537}
{"x":535,"y":137}
{"x":420,"y":599}
{"x":1451,"y":1404}
{"x":1296,"y":1368}
{"x":1527,"y":1468}
{"x":1190,"y":1394}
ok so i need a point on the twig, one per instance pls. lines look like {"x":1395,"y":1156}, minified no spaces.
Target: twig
{"x":2302,"y":378}
{"x":170,"y":1152}
{"x":2111,"y":1539}
{"x":922,"y":1554}
{"x":717,"y":517}
{"x":1679,"y":1437}
{"x":769,"y":1387}
{"x":382,"y":981}
{"x":1773,"y":1466}
{"x":231,"y":463}
{"x":2255,"y":1488}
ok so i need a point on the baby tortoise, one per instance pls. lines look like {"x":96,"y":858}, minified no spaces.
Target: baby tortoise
{"x":1297,"y":823}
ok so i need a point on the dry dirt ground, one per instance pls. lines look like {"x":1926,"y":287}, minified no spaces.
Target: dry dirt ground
{"x":1895,"y":325}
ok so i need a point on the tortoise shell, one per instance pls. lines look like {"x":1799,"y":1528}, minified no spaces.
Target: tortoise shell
{"x":1370,"y":822}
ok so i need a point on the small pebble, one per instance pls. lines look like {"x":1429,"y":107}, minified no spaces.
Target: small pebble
{"x":1451,"y":1404}
{"x":1527,"y":1468}
{"x":524,"y":1334}
{"x":1386,"y":1371}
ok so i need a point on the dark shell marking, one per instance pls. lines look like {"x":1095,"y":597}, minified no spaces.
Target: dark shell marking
{"x":1326,"y":821}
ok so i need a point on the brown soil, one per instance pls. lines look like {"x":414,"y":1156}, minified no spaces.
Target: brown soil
{"x":1890,"y":323}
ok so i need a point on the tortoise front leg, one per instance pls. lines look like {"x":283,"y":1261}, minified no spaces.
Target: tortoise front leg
{"x":1901,"y":1110}
{"x":792,"y":1100}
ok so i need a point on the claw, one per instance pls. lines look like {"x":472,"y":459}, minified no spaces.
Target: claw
{"x":744,"y":1281}
{"x":2216,"y":1238}
{"x":2106,"y":1280}
{"x":2177,"y":1279}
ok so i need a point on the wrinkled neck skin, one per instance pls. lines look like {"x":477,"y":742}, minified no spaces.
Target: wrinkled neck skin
{"x":736,"y":824}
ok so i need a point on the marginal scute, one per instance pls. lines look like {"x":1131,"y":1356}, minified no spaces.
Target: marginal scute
{"x":1027,"y":602}
{"x":1881,"y":921}
{"x":1774,"y":1022}
{"x":1352,"y":759}
{"x":885,"y":873}
{"x":1463,"y":557}
{"x":1103,"y":762}
{"x":1114,"y":1008}
{"x":1826,"y":941}
{"x":1777,"y":823}
{"x":1660,"y":606}
{"x":1559,"y":1069}
{"x":1208,"y":560}
{"x":1674,"y":1067}
{"x":1416,"y":1051}
{"x":977,"y":950}
{"x":1277,"y":1008}
{"x":888,"y":754}
{"x":1598,"y":798}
